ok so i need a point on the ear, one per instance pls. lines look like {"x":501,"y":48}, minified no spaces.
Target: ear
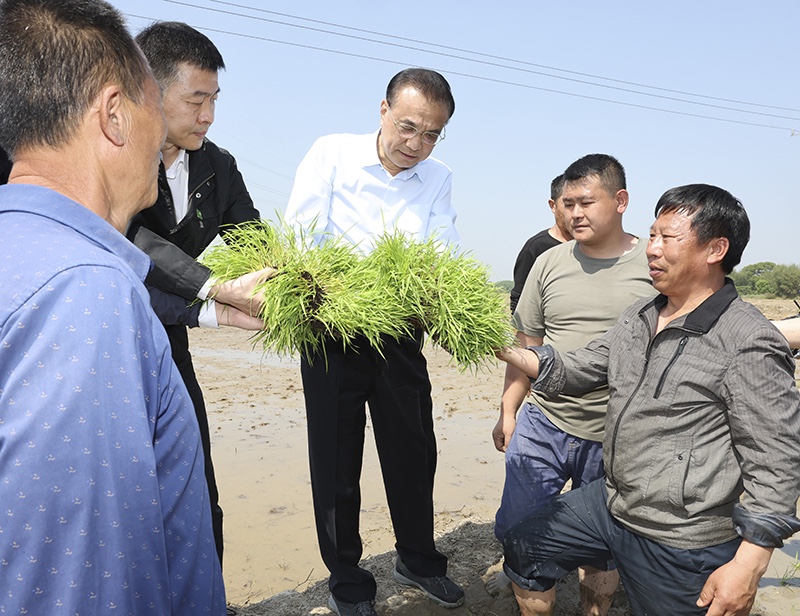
{"x":113,"y":114}
{"x":717,"y":249}
{"x":622,"y":199}
{"x":384,"y":108}
{"x":552,"y":205}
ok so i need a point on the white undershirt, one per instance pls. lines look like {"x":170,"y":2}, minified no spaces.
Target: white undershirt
{"x":178,"y":181}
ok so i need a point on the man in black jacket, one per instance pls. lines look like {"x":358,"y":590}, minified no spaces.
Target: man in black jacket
{"x":200,"y":191}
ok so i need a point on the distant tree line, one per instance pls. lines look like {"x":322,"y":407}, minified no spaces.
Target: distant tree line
{"x":768,"y":279}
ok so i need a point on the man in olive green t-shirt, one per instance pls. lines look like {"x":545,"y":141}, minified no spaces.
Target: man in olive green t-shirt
{"x":574,"y":293}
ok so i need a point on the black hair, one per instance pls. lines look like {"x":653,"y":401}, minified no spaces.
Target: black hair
{"x":714,"y":213}
{"x":166,"y":44}
{"x":55,"y":58}
{"x":607,"y":168}
{"x":557,"y":187}
{"x":430,"y":83}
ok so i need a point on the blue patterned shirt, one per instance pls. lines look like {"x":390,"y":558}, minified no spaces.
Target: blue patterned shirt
{"x":103,"y":502}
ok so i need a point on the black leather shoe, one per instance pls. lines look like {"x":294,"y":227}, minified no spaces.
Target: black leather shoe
{"x":363,"y":608}
{"x":442,"y":590}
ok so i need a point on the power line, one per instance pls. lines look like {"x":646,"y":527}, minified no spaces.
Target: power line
{"x":503,"y":58}
{"x":483,"y":62}
{"x":492,"y":80}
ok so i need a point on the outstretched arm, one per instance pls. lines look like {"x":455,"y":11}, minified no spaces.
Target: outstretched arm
{"x":515,"y":388}
{"x":790,"y":328}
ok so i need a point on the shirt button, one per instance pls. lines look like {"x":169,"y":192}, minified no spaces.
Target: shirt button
{"x":198,"y":195}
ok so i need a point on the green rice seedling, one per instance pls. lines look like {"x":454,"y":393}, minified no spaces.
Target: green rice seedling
{"x":789,"y":576}
{"x":321,"y":293}
{"x":468,"y":316}
{"x":402,"y":268}
{"x":252,"y":246}
{"x":448,"y":295}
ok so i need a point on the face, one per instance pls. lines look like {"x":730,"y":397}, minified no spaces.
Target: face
{"x":147,"y":133}
{"x":592,"y":213}
{"x":413,"y":108}
{"x":560,"y":215}
{"x":679,"y":264}
{"x":189,"y":106}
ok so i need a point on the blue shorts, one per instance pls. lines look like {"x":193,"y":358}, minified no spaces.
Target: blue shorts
{"x":539,"y":460}
{"x":576,"y":529}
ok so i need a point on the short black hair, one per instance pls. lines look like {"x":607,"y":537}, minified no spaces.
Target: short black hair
{"x":55,"y":58}
{"x":557,"y":187}
{"x":714,"y":213}
{"x":606,"y":167}
{"x":166,"y":44}
{"x":430,"y":83}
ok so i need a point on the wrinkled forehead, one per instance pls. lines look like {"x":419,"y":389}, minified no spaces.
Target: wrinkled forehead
{"x":674,"y":221}
{"x":411,"y":106}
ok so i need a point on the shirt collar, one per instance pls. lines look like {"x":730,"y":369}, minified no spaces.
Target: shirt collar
{"x":63,"y":210}
{"x":367,"y":156}
{"x":179,"y":165}
{"x":702,"y":318}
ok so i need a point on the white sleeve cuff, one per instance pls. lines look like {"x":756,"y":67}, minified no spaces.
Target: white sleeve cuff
{"x":208,"y":315}
{"x":206,"y":289}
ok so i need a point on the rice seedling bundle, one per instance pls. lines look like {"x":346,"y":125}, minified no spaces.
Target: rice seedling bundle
{"x":448,"y":294}
{"x":320,"y":293}
{"x":330,"y":291}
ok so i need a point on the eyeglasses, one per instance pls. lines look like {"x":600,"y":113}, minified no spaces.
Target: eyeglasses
{"x":406,"y":131}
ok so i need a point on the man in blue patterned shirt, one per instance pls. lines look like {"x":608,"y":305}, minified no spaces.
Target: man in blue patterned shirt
{"x":104,"y":502}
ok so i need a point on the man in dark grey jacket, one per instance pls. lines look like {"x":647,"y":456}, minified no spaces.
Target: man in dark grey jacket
{"x":702,"y":439}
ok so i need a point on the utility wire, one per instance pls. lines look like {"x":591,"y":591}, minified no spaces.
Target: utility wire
{"x":492,"y":80}
{"x":486,"y":62}
{"x":503,"y":58}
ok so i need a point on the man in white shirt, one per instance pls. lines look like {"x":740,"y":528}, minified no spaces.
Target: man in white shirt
{"x":357,"y":187}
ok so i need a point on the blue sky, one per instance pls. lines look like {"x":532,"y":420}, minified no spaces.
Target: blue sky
{"x":512,"y":132}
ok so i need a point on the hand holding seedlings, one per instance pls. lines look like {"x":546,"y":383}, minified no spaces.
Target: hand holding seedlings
{"x":245,"y":293}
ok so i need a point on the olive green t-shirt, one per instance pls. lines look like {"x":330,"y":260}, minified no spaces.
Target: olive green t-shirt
{"x":569,"y":300}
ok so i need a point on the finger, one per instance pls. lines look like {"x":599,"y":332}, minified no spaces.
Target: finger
{"x":706,"y":596}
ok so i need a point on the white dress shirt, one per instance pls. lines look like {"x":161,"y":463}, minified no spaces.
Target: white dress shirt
{"x":342,"y":189}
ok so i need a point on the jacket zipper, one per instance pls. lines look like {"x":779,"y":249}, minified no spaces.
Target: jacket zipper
{"x":672,"y":361}
{"x":616,"y":427}
{"x":199,"y":217}
{"x":612,"y":455}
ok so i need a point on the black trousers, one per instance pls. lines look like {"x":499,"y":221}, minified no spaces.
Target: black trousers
{"x":397,"y":389}
{"x":179,"y":340}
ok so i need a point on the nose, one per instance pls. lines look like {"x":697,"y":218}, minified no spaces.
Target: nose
{"x":415,"y":142}
{"x":206,"y":115}
{"x":653,"y":247}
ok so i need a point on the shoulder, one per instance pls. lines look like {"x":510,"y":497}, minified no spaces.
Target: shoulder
{"x":46,"y":253}
{"x":217,"y":156}
{"x":560,"y":256}
{"x":540,"y":242}
{"x":341,"y":150}
{"x":749,"y":321}
{"x":436,"y":166}
{"x":347,"y":143}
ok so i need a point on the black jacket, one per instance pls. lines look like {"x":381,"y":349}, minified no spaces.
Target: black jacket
{"x":217,"y":198}
{"x":5,"y":166}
